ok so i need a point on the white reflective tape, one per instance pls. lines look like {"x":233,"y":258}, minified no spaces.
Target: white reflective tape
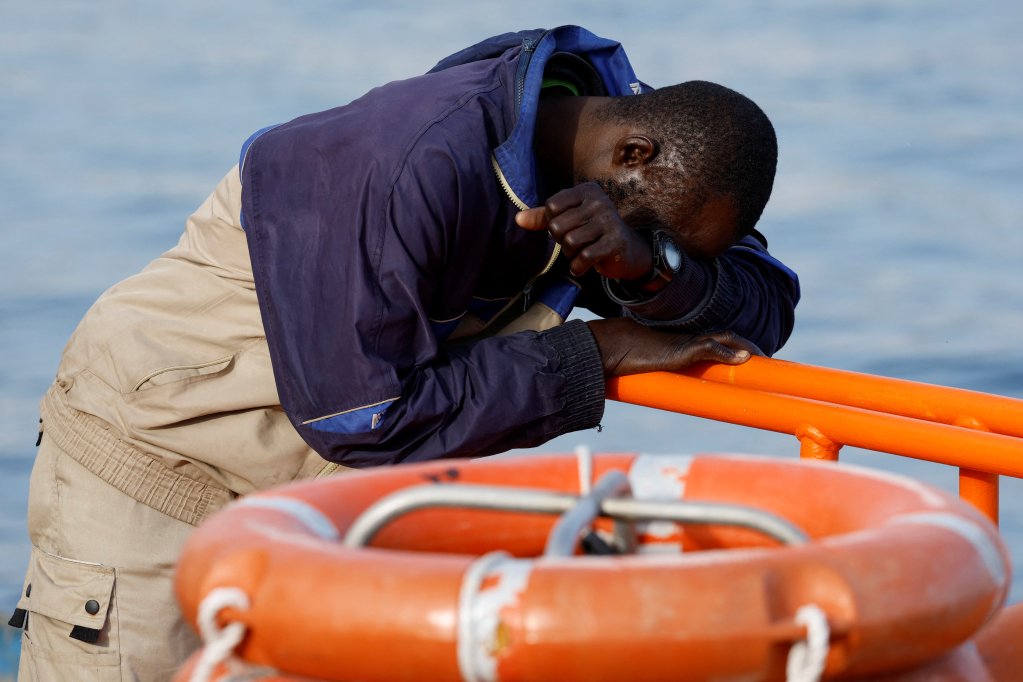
{"x":970,"y":532}
{"x":479,"y":612}
{"x":309,"y":516}
{"x":659,"y":477}
{"x":585,"y":459}
{"x":658,"y":537}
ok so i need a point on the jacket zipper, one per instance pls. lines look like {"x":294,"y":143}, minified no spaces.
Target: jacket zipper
{"x":521,"y":205}
{"x":528,"y":46}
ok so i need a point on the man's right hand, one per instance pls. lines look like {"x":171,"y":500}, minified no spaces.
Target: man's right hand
{"x":591,"y":233}
{"x":627,"y":347}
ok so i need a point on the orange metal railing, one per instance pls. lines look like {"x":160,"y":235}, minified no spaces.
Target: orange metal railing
{"x":826,"y":409}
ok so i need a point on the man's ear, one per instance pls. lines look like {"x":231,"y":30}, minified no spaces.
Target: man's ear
{"x":633,"y":151}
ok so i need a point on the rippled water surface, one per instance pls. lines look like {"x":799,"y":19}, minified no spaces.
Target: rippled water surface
{"x":898,"y":197}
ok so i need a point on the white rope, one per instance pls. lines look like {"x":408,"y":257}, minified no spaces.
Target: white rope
{"x":806,"y":658}
{"x":475,"y":659}
{"x":585,"y":460}
{"x":219,"y":643}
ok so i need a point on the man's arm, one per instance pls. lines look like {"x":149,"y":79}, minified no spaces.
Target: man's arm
{"x":745,"y":289}
{"x":346,"y":291}
{"x":513,"y":391}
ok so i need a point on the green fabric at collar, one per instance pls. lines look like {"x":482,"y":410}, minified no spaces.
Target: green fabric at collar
{"x":558,"y":83}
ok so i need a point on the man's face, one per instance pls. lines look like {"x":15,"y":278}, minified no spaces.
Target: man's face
{"x":703,"y":229}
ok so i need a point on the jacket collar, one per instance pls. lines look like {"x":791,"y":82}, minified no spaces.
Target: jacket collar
{"x":514,"y":159}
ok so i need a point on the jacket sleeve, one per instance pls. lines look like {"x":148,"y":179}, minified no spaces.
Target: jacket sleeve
{"x":346,"y":292}
{"x":745,"y":290}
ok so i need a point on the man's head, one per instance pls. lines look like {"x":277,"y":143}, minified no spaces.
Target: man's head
{"x":697,"y":159}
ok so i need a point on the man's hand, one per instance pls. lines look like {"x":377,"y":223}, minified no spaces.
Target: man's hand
{"x":591,"y":233}
{"x":627,"y":347}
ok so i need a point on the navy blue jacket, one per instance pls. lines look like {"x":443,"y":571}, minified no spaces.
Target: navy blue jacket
{"x":374,"y":227}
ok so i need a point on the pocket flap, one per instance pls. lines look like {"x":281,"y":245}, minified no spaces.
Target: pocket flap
{"x":75,"y":592}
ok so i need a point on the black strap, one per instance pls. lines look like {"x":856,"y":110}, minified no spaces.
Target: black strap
{"x":84,"y":634}
{"x":594,"y":544}
{"x":18,"y":619}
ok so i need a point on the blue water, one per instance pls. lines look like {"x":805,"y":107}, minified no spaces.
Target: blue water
{"x":898,"y":198}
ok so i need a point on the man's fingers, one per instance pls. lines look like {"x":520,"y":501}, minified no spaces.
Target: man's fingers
{"x":579,"y":196}
{"x":572,"y":197}
{"x":579,"y":265}
{"x":718,"y":352}
{"x":532,"y":218}
{"x":733,"y":340}
{"x":627,"y":347}
{"x":723,"y":347}
{"x":597,"y":255}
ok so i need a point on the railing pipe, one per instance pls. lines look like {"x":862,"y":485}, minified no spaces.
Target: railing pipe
{"x":827,"y":408}
{"x":980,"y":489}
{"x":883,"y":394}
{"x":976,"y":450}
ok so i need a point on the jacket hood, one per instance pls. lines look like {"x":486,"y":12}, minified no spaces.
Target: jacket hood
{"x":514,"y":157}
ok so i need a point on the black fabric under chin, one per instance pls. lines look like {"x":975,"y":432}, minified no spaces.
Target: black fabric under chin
{"x":576,"y":72}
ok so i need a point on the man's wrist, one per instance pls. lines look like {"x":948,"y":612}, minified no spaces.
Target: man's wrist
{"x":667,"y":258}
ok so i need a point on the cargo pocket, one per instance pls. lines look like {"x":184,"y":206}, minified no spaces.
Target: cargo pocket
{"x":69,"y":631}
{"x":179,"y":373}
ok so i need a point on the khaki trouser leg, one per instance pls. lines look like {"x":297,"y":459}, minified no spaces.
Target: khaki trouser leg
{"x":97,"y":550}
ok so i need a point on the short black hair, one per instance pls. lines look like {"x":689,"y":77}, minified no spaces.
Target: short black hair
{"x":712,"y":141}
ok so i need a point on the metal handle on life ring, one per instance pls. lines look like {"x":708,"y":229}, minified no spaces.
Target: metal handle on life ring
{"x":505,"y":498}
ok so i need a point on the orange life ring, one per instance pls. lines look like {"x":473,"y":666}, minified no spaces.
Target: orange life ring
{"x":903,"y":573}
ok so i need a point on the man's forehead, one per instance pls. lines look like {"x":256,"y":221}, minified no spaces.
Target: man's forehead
{"x":710,"y":229}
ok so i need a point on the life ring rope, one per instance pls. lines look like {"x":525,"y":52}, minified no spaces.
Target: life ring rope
{"x":479,"y":612}
{"x":807,"y":658}
{"x":564,"y":536}
{"x":219,"y":641}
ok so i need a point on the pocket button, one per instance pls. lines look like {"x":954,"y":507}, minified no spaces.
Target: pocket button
{"x":92,"y":607}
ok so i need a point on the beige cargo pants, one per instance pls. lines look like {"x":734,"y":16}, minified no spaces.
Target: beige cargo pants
{"x":97,"y":603}
{"x":164,"y":409}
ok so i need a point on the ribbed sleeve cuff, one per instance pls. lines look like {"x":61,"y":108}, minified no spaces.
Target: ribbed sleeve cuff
{"x":714,"y":314}
{"x":584,"y":374}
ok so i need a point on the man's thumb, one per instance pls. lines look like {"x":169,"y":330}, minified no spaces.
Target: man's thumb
{"x":531,"y":218}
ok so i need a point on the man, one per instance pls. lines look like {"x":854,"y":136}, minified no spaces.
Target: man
{"x":371,"y":286}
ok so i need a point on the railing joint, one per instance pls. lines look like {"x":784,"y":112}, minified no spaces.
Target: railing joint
{"x":813,"y":444}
